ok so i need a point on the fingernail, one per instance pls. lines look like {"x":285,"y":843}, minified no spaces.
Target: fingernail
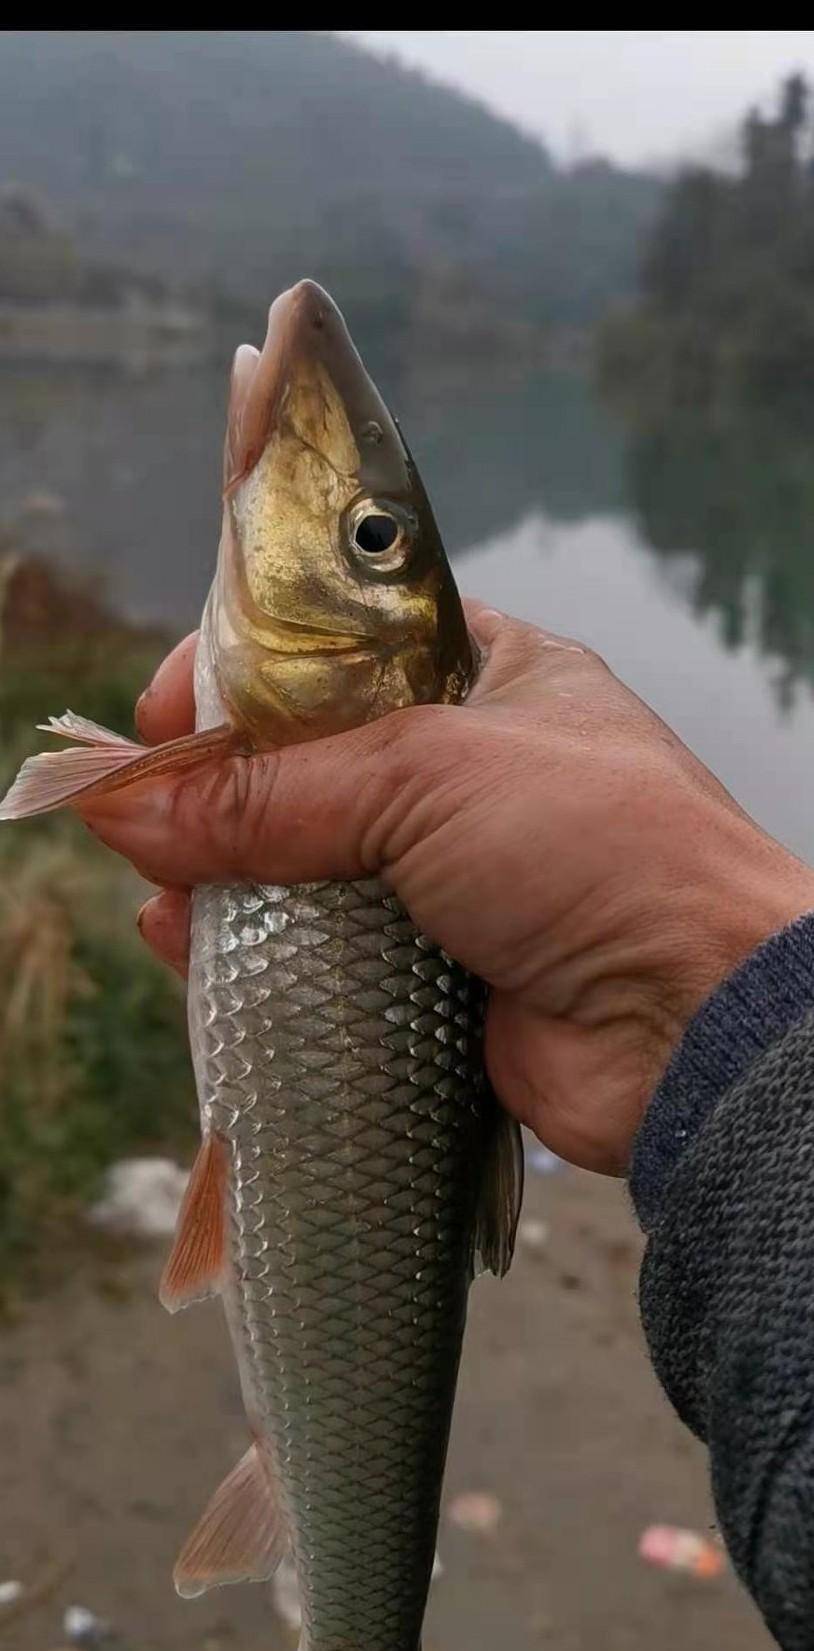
{"x":141,"y":913}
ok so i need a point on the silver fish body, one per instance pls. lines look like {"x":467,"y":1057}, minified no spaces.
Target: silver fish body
{"x":338,"y":1052}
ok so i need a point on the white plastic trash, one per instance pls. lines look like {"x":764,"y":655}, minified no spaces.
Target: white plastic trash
{"x":141,"y":1196}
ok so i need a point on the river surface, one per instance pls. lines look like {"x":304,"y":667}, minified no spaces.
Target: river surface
{"x":682,"y":551}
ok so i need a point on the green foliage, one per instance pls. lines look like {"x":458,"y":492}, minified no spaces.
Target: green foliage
{"x":726,"y":308}
{"x":93,"y":1050}
{"x":239,"y":161}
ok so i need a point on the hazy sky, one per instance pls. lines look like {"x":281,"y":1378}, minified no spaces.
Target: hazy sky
{"x":636,"y":94}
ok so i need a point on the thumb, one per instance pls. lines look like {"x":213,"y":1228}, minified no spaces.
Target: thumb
{"x":330,"y":809}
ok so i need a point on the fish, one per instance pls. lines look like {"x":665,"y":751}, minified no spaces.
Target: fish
{"x":356,"y":1171}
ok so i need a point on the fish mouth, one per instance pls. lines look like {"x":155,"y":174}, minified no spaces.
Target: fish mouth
{"x":308,"y":343}
{"x":308,"y":308}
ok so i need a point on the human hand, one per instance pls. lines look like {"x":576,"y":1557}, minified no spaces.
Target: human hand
{"x":552,"y":834}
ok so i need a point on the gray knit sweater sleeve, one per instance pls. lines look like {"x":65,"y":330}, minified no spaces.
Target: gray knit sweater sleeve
{"x":723,"y":1183}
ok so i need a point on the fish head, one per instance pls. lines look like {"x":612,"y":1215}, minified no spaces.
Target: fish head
{"x":333,"y":602}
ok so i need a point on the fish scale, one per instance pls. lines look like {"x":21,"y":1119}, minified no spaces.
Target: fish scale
{"x":339,"y":1053}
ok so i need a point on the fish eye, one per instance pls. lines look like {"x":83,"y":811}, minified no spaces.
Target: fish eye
{"x":375,"y":532}
{"x":380,"y":535}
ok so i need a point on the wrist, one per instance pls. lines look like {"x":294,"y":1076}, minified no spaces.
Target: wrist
{"x":757,"y":888}
{"x":761,"y":999}
{"x":744,"y":889}
{"x":738,"y":894}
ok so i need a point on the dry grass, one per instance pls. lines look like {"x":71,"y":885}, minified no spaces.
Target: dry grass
{"x":93,"y":1054}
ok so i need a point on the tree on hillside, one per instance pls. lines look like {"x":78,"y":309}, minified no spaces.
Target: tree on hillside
{"x":727,"y":279}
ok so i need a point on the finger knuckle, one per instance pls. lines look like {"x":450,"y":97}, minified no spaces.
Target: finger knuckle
{"x":568,"y":653}
{"x":596,"y":660}
{"x":429,"y":739}
{"x":514,"y":649}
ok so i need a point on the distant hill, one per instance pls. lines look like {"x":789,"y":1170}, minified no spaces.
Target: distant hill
{"x":237,"y":161}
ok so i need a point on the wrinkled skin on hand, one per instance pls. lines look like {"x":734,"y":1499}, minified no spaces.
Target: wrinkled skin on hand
{"x":552,"y":834}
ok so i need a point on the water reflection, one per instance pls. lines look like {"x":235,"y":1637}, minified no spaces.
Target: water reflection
{"x":492,"y":452}
{"x":738,"y":494}
{"x":131,"y":465}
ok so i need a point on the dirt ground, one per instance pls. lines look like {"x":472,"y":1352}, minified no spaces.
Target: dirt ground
{"x":116,"y":1422}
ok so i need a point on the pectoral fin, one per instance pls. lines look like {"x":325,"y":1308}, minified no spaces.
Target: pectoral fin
{"x":103,"y":762}
{"x":195,"y":1265}
{"x":500,"y":1198}
{"x":241,"y":1536}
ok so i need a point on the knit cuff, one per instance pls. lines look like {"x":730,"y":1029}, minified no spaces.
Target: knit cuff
{"x":753,"y":1007}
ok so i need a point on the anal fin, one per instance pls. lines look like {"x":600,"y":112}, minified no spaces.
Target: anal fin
{"x":103,"y":762}
{"x":239,"y":1538}
{"x":196,"y":1263}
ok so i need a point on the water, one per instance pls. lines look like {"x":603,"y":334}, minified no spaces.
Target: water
{"x":683,"y":551}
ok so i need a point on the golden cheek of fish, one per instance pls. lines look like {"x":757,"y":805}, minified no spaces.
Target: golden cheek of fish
{"x":354,"y":1164}
{"x":300,"y":657}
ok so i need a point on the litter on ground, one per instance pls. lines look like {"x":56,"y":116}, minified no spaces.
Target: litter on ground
{"x":475,"y":1510}
{"x":141,"y":1196}
{"x":675,"y":1549}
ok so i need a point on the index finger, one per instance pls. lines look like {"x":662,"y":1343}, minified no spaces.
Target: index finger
{"x":166,"y":709}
